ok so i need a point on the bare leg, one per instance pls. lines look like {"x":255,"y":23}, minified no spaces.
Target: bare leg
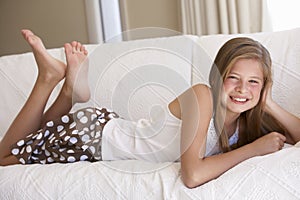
{"x":75,"y":88}
{"x":50,"y":73}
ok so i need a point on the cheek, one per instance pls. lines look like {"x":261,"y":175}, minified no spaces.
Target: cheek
{"x":256,"y":91}
{"x":228,"y":85}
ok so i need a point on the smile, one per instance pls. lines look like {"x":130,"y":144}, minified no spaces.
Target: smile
{"x":239,"y":100}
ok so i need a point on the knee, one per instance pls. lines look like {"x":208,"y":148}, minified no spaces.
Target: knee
{"x":8,"y":160}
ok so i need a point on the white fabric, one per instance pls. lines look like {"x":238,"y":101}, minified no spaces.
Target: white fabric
{"x":154,"y":140}
{"x":274,"y":176}
{"x":206,"y":17}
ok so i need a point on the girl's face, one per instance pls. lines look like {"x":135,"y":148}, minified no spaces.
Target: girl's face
{"x":242,"y":86}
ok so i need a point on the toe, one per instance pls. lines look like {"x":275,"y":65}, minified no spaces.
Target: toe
{"x":68,"y":48}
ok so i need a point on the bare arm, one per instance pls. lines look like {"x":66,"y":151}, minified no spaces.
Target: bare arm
{"x":195,"y":111}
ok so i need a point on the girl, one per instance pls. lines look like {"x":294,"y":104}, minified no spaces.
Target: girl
{"x":237,"y":106}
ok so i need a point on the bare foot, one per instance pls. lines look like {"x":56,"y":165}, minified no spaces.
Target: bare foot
{"x":50,"y":68}
{"x":76,"y":82}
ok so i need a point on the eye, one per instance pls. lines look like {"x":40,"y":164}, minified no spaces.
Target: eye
{"x":254,"y":81}
{"x":232,"y":77}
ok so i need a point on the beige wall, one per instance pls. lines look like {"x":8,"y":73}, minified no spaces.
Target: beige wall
{"x":60,"y":21}
{"x":56,"y":21}
{"x":165,"y":14}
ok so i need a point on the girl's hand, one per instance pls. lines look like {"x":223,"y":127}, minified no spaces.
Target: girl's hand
{"x":269,"y":143}
{"x":267,"y":96}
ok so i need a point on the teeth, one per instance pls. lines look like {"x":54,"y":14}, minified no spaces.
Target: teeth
{"x":240,"y":99}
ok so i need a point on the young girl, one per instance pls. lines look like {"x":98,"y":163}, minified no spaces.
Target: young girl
{"x":237,"y":107}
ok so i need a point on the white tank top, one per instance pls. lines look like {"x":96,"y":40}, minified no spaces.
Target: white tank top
{"x":155,"y":140}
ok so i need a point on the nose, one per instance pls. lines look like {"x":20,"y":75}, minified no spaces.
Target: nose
{"x":242,"y":87}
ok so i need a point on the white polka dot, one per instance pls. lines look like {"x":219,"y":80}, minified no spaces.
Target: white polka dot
{"x":43,"y":162}
{"x":34,"y":158}
{"x":97,"y":123}
{"x":73,"y":140}
{"x":47,"y":132}
{"x":97,"y":157}
{"x":96,"y":141}
{"x":71,"y":159}
{"x":41,"y":143}
{"x":30,"y":142}
{"x":62,"y":158}
{"x":98,"y":112}
{"x":92,"y":134}
{"x":35,"y":135}
{"x":36,"y":151}
{"x":72,"y":125}
{"x":22,"y":150}
{"x":70,"y":151}
{"x":92,"y":127}
{"x":80,"y":114}
{"x":93,"y":116}
{"x":75,"y":132}
{"x":92,"y":149}
{"x":85,"y":138}
{"x":22,"y":161}
{"x":51,"y":136}
{"x":21,"y":143}
{"x":40,"y":135}
{"x":111,"y":115}
{"x":67,"y":137}
{"x":60,"y":128}
{"x":55,"y":155}
{"x":102,"y":120}
{"x":84,"y":147}
{"x":28,"y":149}
{"x":83,"y":157}
{"x":65,"y":119}
{"x":62,"y":133}
{"x":50,"y":160}
{"x":86,"y":129}
{"x":97,"y":134}
{"x":50,"y":124}
{"x":51,"y":141}
{"x":90,"y":110}
{"x":15,"y":151}
{"x":47,"y":153}
{"x":81,"y":133}
{"x":84,"y":120}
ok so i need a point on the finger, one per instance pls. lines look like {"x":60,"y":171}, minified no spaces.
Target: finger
{"x":281,"y":143}
{"x":282,"y":137}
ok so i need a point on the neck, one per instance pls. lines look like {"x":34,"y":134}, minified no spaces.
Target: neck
{"x":231,"y":123}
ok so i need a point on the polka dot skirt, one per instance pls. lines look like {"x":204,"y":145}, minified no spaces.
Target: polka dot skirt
{"x":73,"y":137}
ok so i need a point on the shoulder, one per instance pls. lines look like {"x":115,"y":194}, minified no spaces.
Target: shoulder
{"x":197,"y":97}
{"x":200,"y":87}
{"x":203,"y":92}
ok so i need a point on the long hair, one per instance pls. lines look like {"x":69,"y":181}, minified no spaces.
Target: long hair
{"x":253,"y":123}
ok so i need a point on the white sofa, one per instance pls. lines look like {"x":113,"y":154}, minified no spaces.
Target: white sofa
{"x":133,"y":78}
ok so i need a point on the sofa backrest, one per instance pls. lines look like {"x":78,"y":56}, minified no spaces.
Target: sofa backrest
{"x":134,"y":77}
{"x":130,"y":77}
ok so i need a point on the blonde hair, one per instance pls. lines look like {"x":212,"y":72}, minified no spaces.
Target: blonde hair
{"x":253,"y":123}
